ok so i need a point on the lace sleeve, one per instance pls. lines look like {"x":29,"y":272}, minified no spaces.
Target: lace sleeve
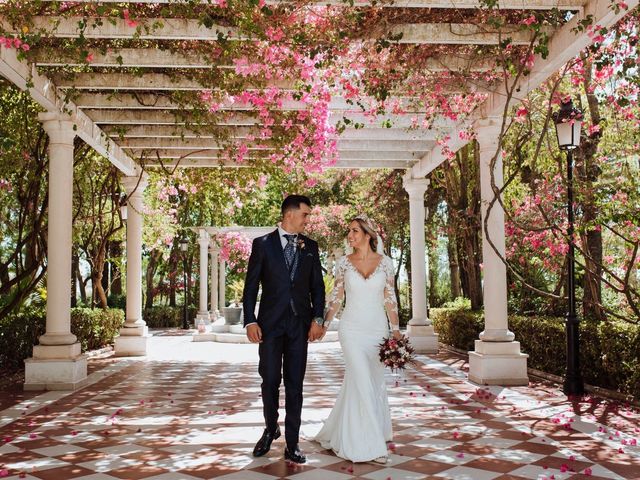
{"x":336,"y":297}
{"x":390,"y":302}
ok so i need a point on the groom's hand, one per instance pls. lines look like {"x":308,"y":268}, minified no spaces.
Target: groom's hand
{"x":315,"y":332}
{"x":254,"y":333}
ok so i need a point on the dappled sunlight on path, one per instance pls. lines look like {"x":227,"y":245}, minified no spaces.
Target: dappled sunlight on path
{"x":193,"y":411}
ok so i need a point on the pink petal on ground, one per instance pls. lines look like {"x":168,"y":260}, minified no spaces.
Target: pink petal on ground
{"x":587,"y":471}
{"x":4,"y":472}
{"x":33,"y":435}
{"x":460,"y":455}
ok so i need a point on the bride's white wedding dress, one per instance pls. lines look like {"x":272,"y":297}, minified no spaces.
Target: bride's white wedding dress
{"x":360,"y":423}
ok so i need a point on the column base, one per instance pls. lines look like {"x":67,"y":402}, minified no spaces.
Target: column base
{"x":498,"y":363}
{"x":423,"y":338}
{"x":50,"y":370}
{"x":203,"y":316}
{"x":132,"y":342}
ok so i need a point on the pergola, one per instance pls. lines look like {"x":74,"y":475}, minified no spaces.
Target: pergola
{"x":121,"y":116}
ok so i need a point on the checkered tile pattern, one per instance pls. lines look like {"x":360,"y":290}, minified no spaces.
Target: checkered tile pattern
{"x":164,"y":420}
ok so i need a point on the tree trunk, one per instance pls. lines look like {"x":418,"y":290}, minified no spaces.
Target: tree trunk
{"x":116,"y":276}
{"x":588,"y":173}
{"x":454,"y":269}
{"x":152,"y":266}
{"x":99,"y":293}
{"x":173,"y":268}
{"x":462,"y":194}
{"x":74,"y":280}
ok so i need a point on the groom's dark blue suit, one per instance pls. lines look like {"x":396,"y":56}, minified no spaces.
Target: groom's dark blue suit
{"x":288,"y":304}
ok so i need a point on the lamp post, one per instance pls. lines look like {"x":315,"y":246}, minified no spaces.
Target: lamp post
{"x":568,"y":122}
{"x":184,"y":246}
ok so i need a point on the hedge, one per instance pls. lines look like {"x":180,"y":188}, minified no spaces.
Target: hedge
{"x":167,"y":317}
{"x":609,"y":351}
{"x":94,"y":328}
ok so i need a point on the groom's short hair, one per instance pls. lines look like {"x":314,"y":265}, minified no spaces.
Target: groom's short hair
{"x":292,"y":202}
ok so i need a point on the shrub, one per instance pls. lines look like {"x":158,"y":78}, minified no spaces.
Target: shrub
{"x":94,"y":328}
{"x":609,"y":351}
{"x":457,"y":327}
{"x":167,"y":317}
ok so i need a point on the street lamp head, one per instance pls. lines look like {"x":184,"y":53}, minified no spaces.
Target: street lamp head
{"x":184,"y":245}
{"x":568,"y":121}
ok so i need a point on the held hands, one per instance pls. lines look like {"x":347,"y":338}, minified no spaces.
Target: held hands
{"x":396,"y":334}
{"x":316,"y":332}
{"x":254,"y":333}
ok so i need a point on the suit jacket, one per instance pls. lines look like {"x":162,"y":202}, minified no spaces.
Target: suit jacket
{"x":267,"y":267}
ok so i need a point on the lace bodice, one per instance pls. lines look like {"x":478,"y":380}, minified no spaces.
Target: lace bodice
{"x":361,"y":288}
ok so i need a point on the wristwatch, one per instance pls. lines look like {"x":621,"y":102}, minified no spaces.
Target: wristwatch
{"x":319,"y":321}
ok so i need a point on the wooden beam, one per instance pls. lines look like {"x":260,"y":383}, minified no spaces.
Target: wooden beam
{"x":46,"y":95}
{"x":156,"y":58}
{"x":153,"y":117}
{"x":218,"y":162}
{"x":188,"y":29}
{"x":128,"y":81}
{"x":381,"y":156}
{"x":448,"y":4}
{"x":151,"y":101}
{"x":211,"y":144}
{"x":179,"y":132}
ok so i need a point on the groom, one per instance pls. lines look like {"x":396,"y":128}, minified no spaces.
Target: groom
{"x":287,"y":264}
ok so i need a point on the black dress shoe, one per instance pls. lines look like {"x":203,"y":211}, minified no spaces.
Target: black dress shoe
{"x":294,"y":455}
{"x":264,"y":444}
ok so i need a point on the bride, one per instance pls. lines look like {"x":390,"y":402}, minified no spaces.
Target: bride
{"x":359,"y":425}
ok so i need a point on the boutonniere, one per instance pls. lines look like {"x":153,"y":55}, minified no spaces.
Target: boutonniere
{"x":300,"y":244}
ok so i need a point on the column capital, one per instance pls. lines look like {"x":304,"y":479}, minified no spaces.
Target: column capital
{"x":415,"y":187}
{"x":214,"y":249}
{"x":135,"y":185}
{"x":59,"y":127}
{"x":488,"y":128}
{"x":203,"y":238}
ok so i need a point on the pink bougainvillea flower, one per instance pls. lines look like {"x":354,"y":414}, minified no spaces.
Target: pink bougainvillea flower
{"x":588,"y":471}
{"x":4,"y":472}
{"x":130,"y":22}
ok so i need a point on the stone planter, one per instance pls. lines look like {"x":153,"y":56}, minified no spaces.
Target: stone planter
{"x":232,"y":315}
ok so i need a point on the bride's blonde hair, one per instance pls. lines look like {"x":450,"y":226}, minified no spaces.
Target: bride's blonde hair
{"x":367,"y":227}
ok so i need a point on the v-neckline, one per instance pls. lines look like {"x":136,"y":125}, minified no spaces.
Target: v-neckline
{"x":373,"y":272}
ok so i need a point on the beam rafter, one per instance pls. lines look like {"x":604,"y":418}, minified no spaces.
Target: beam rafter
{"x":210,"y":144}
{"x":156,"y":58}
{"x":187,"y":29}
{"x":179,"y":132}
{"x":461,"y":4}
{"x":209,"y":162}
{"x":243,"y":119}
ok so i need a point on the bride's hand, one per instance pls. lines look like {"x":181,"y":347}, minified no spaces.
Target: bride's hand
{"x":397,"y":335}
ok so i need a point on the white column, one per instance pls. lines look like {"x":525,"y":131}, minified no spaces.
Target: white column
{"x":419,"y":330}
{"x":222,"y":284}
{"x":57,"y":362}
{"x":497,"y":358}
{"x":203,"y":311}
{"x":214,"y":251}
{"x":135,"y":333}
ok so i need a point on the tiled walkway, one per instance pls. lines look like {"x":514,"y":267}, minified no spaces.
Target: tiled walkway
{"x":193,"y":411}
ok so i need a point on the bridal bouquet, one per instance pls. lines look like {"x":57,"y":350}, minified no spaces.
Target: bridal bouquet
{"x":395,"y":354}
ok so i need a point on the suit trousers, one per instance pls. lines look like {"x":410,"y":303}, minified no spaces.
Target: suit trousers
{"x":284,"y":353}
